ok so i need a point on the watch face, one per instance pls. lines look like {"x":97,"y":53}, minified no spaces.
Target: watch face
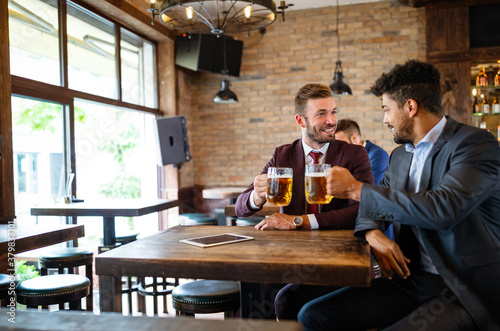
{"x":297,"y":221}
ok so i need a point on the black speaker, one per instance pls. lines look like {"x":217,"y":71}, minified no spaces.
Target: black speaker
{"x":205,"y":52}
{"x":484,"y":26}
{"x":172,"y":140}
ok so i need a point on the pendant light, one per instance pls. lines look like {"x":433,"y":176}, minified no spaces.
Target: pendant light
{"x":225,"y":95}
{"x":338,"y":86}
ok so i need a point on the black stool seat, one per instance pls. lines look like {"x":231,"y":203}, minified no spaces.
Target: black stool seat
{"x":126,"y":238}
{"x":68,"y":257}
{"x":55,"y":289}
{"x":196,"y":219}
{"x":206,"y":297}
{"x":249,"y":221}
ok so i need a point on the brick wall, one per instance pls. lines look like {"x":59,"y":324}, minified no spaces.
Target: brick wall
{"x":230,"y":143}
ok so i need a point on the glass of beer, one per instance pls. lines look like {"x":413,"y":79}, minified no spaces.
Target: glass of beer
{"x":316,"y":184}
{"x":279,"y":186}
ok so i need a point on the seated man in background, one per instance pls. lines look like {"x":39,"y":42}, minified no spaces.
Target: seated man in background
{"x":442,"y":191}
{"x":348,"y":131}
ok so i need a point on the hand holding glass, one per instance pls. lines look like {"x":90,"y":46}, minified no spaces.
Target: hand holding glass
{"x":279,"y":186}
{"x":315,"y":177}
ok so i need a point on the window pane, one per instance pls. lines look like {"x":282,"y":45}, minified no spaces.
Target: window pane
{"x":115,"y":159}
{"x":91,"y":53}
{"x":34,"y":40}
{"x":38,"y":146}
{"x":138,"y":70}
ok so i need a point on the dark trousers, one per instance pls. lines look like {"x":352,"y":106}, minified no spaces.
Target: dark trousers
{"x":421,"y":302}
{"x":291,"y":298}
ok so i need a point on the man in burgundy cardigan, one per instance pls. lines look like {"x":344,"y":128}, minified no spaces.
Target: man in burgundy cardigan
{"x":316,"y":114}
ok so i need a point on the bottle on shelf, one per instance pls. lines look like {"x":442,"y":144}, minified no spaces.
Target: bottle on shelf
{"x":482,"y":78}
{"x":495,"y":106}
{"x":497,"y":76}
{"x":476,"y":108}
{"x":485,"y":106}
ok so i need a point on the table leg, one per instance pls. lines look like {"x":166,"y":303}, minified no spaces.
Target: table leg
{"x":110,"y":297}
{"x":109,"y":236}
{"x":257,"y":300}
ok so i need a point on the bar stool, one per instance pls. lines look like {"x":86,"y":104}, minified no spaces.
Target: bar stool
{"x":54,"y":289}
{"x":69,"y":257}
{"x":146,"y":289}
{"x":206,"y":297}
{"x":249,"y":221}
{"x":190,"y":219}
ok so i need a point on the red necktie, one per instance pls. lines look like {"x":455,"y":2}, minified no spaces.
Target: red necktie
{"x":313,"y":209}
{"x":315,"y":156}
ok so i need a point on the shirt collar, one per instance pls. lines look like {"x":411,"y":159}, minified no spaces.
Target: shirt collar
{"x":431,"y":136}
{"x":308,"y":149}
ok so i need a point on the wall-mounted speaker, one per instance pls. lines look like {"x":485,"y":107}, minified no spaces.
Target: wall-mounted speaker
{"x":172,"y":140}
{"x":484,"y":26}
{"x":205,"y":52}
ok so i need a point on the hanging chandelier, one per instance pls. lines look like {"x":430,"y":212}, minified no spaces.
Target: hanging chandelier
{"x":216,"y":16}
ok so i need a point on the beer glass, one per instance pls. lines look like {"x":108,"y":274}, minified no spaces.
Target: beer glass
{"x":315,"y":177}
{"x":279,"y":186}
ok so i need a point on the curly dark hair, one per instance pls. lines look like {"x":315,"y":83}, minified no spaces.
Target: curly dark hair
{"x":415,"y":80}
{"x":307,"y":92}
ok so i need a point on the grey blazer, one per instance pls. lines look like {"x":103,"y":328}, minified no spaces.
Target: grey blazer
{"x":457,"y":212}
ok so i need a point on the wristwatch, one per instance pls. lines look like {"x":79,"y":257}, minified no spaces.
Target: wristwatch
{"x":297,"y":221}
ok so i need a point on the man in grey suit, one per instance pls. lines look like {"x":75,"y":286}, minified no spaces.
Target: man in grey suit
{"x":442,"y":192}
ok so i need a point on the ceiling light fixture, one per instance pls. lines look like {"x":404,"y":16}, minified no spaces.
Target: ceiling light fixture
{"x":225,"y":95}
{"x":338,"y":86}
{"x":216,"y":16}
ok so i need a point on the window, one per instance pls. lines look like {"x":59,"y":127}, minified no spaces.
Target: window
{"x":34,"y":40}
{"x":38,"y":147}
{"x":91,"y":53}
{"x":138,"y":70}
{"x":108,"y":145}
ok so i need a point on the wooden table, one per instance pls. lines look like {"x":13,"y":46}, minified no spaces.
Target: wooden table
{"x":265,"y":211}
{"x":229,"y":192}
{"x":108,"y":210}
{"x":32,"y":319}
{"x":32,"y":237}
{"x":333,"y":258}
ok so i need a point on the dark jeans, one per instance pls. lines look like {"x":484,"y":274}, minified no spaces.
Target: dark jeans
{"x":292,"y":297}
{"x":421,"y":302}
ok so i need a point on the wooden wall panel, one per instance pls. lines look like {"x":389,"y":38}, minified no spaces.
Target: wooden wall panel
{"x":455,"y":87}
{"x":447,"y":29}
{"x":6,"y":164}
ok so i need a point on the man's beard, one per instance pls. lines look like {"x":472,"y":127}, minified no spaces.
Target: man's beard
{"x":317,"y":137}
{"x":406,"y":131}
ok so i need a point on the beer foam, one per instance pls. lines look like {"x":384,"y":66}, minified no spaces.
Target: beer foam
{"x":316,"y":174}
{"x":279,"y":176}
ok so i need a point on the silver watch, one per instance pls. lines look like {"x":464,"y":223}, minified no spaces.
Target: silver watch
{"x":297,"y":221}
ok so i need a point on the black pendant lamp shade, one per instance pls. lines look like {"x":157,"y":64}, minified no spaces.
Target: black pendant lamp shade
{"x":338,"y":86}
{"x":225,"y":95}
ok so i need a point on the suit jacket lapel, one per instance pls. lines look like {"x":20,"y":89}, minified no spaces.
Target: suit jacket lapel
{"x":334,"y":155}
{"x":443,"y":138}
